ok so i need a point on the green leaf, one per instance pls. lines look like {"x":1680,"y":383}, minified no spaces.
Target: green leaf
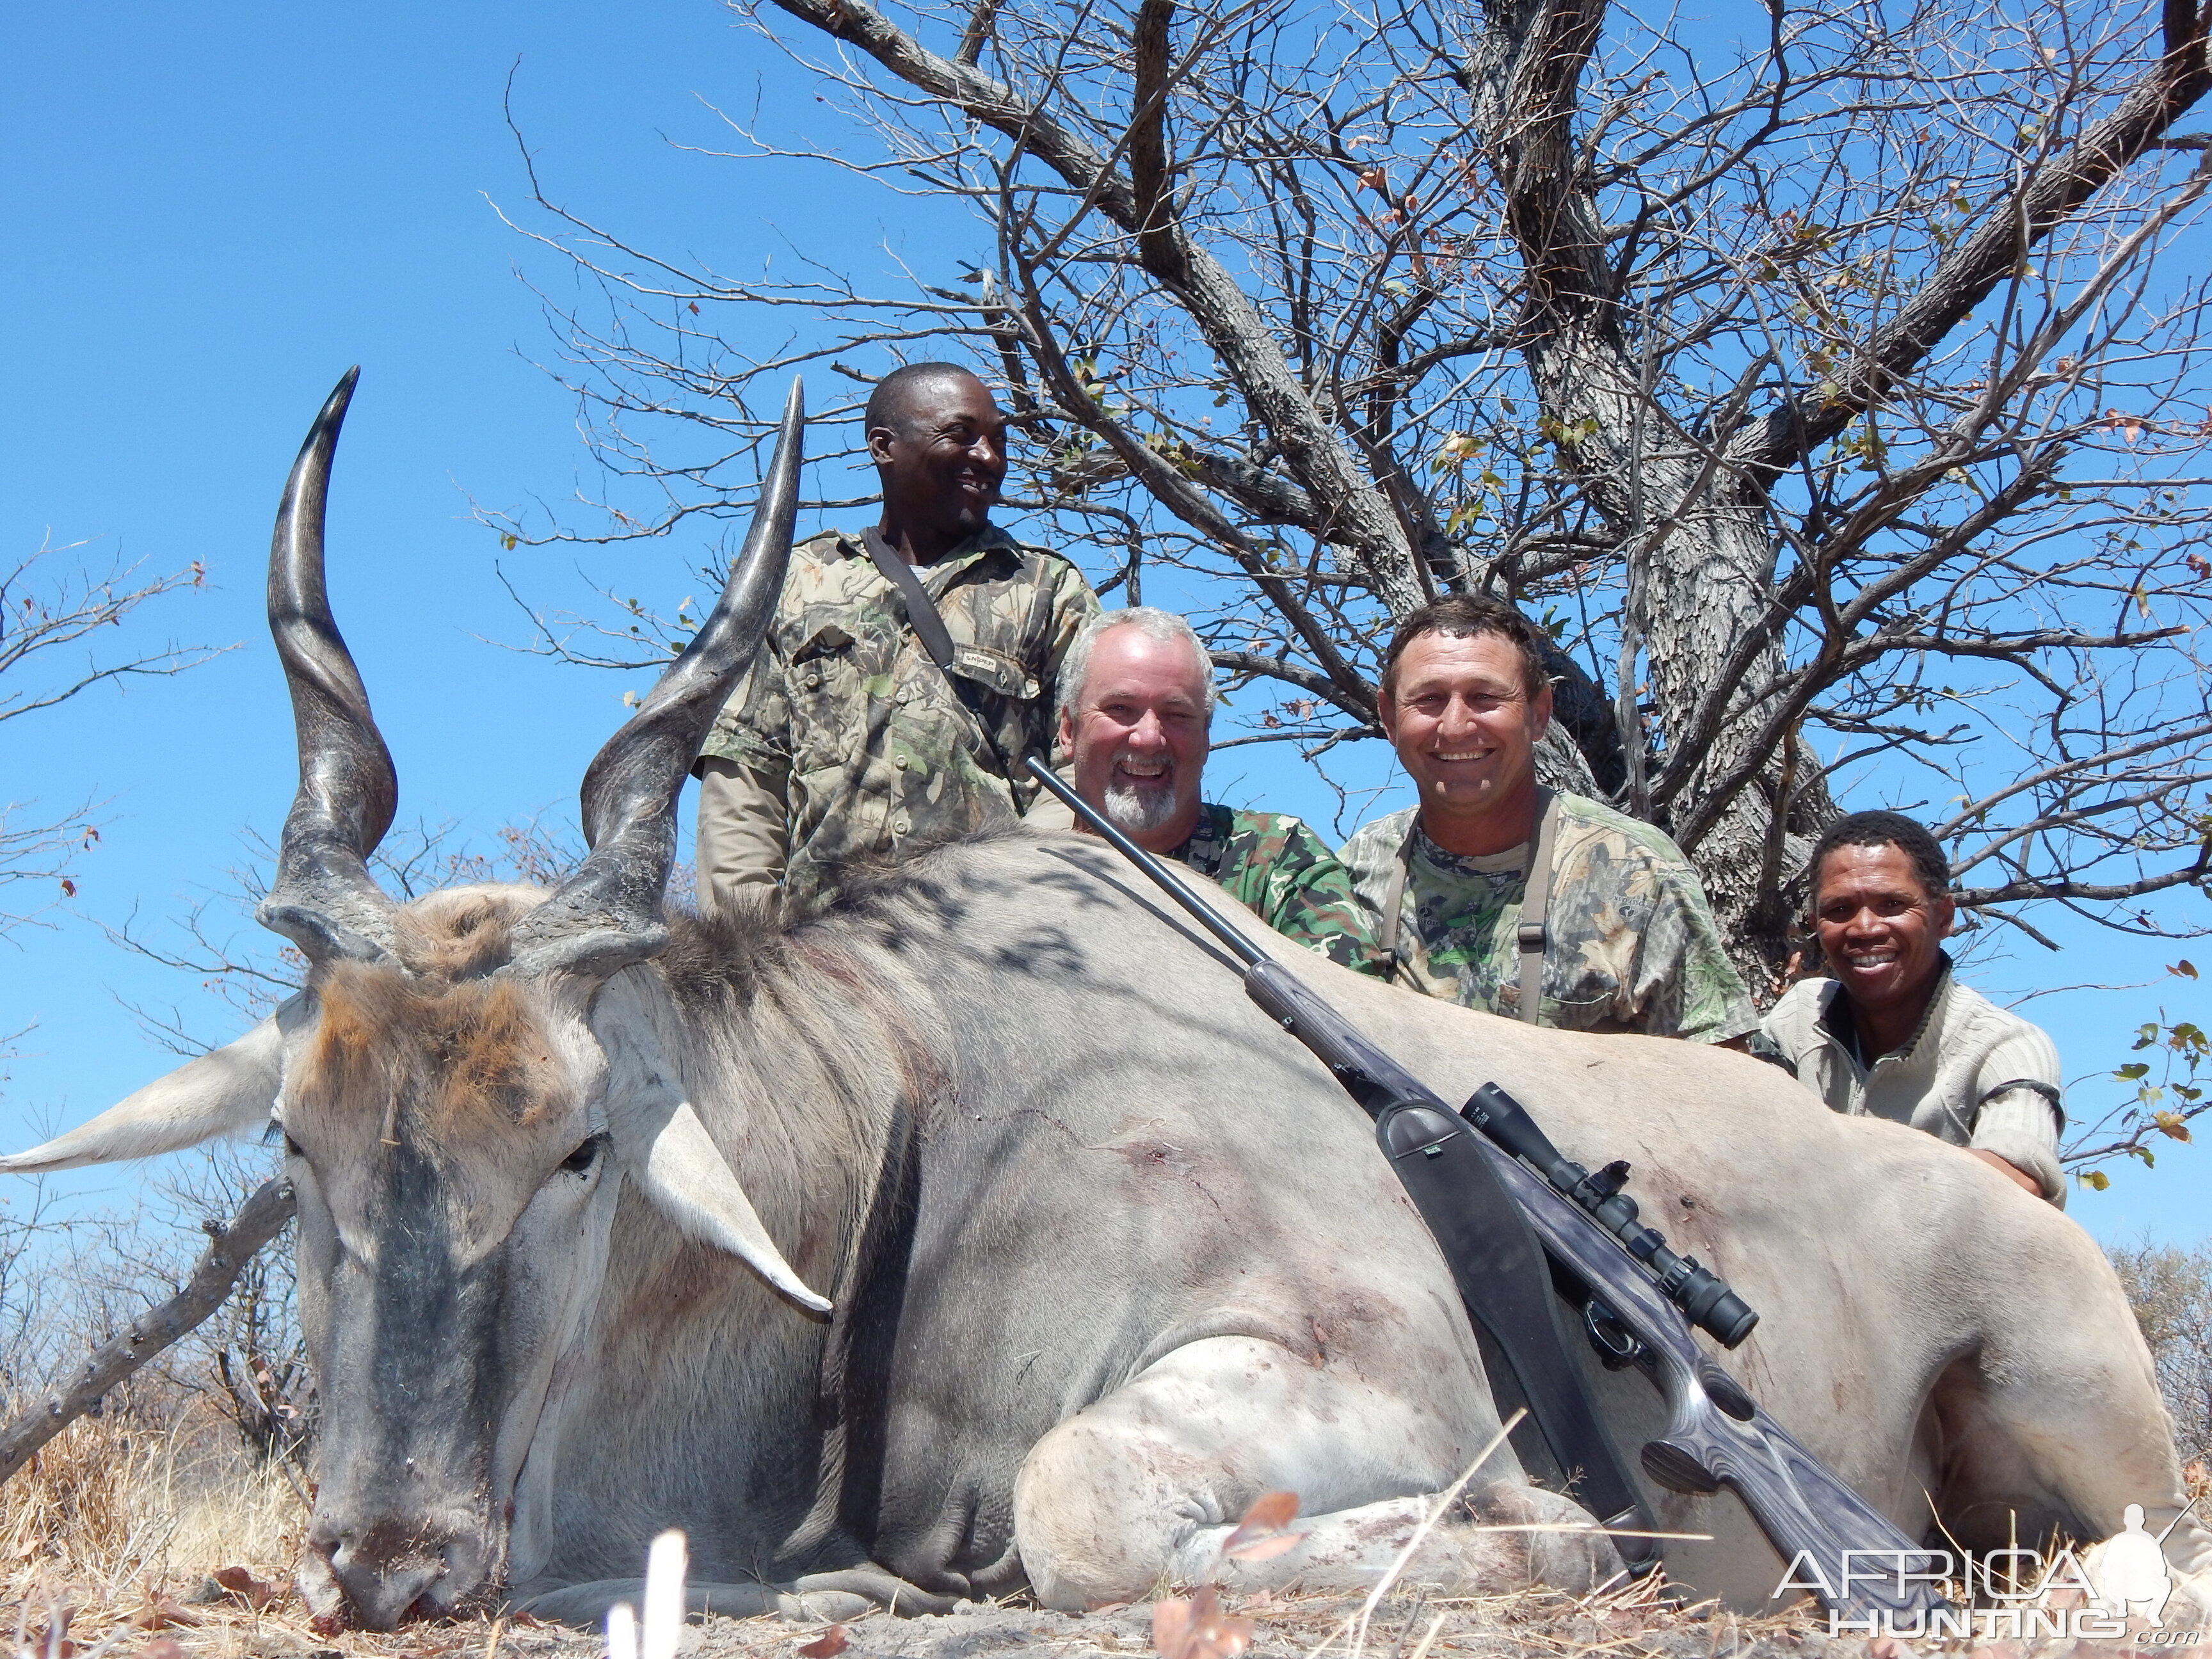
{"x":2132,"y":1071}
{"x":2095,"y":1180}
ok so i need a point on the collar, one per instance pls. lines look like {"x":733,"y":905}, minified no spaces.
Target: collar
{"x":1840,"y":1022}
{"x":1203,"y":848}
{"x":958,"y":557}
{"x":1511,"y":862}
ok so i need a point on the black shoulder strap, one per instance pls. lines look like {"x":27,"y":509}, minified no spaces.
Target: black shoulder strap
{"x":929,"y":627}
{"x":921,"y":610}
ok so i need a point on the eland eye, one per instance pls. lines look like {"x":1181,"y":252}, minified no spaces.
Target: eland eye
{"x":586,"y":1154}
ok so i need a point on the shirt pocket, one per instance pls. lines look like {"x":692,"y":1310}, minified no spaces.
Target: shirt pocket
{"x":822,"y":684}
{"x":994,"y":671}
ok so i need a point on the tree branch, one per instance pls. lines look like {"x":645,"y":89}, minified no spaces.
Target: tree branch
{"x":259,"y":1221}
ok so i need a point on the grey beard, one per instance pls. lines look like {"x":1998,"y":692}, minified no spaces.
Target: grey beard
{"x":1136,"y":811}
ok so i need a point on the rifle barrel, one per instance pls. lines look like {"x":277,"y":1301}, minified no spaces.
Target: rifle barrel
{"x":1215,"y":923}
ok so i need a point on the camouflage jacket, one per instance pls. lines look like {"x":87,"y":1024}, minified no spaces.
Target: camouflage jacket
{"x":1282,"y":872}
{"x":1632,"y":942}
{"x":872,"y":745}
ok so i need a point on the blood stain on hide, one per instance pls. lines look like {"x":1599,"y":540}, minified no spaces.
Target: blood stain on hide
{"x":1147,"y":1154}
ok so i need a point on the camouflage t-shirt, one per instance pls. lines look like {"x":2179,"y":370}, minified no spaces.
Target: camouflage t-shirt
{"x":1632,"y":945}
{"x":1283,"y":873}
{"x":875,"y":748}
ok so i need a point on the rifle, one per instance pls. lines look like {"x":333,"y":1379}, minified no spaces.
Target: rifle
{"x":1641,"y":1297}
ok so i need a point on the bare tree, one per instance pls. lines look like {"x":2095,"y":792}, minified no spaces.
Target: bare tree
{"x":1826,"y":396}
{"x":53,"y":604}
{"x":217,"y":943}
{"x":2171,"y":1289}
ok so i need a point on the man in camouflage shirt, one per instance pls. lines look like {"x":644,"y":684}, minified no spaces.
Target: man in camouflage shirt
{"x":1628,"y":942}
{"x":1136,"y":698}
{"x":846,"y":740}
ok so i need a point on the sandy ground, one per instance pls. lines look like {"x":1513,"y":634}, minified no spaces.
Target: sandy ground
{"x":208,"y":1624}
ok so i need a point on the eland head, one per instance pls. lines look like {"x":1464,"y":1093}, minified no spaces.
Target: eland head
{"x":458,"y":1107}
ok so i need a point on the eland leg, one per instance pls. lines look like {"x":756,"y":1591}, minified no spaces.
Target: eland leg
{"x":2055,"y":1425}
{"x":1143,"y":1488}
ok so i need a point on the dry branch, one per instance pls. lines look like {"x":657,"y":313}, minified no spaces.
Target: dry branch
{"x":259,"y":1219}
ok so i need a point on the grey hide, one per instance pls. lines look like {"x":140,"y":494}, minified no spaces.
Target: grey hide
{"x":1109,"y":1256}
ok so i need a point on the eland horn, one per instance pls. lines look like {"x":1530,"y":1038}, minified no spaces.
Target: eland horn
{"x":607,"y":914}
{"x":324,"y":898}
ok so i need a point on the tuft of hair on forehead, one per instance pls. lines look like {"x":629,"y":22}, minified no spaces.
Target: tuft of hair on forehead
{"x":428,"y":1062}
{"x":461,"y":932}
{"x":1164,"y":626}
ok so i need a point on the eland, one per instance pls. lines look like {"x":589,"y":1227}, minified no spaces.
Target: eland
{"x":973,"y":1232}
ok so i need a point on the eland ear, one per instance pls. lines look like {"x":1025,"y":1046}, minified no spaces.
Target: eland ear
{"x":226,"y":1092}
{"x":677,"y":1164}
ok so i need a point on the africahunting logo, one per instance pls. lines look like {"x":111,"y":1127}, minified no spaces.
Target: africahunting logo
{"x":2005,"y":1595}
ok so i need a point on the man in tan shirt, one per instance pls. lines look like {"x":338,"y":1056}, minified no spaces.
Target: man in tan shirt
{"x":1892,"y":1034}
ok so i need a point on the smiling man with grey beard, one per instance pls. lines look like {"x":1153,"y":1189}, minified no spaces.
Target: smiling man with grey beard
{"x":1136,"y":700}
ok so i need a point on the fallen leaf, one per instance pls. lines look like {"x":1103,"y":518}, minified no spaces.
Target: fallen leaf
{"x":1198,"y":1629}
{"x":1170,"y":1627}
{"x":255,"y":1593}
{"x":162,"y":1647}
{"x":1271,"y":1512}
{"x":827,"y":1645}
{"x":160,"y":1612}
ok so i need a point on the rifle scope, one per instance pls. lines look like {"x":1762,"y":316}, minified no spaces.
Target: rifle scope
{"x":1704,"y":1297}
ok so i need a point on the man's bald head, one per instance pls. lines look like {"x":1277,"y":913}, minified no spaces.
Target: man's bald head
{"x":893,"y":402}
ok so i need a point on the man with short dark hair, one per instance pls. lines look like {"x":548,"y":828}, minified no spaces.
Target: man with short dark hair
{"x":1891,"y":1033}
{"x":849,"y":739}
{"x":1136,"y":701}
{"x":1511,"y":898}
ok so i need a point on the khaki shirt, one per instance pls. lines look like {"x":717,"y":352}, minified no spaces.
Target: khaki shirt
{"x":847,"y":731}
{"x":1630,"y":942}
{"x":1972,"y":1074}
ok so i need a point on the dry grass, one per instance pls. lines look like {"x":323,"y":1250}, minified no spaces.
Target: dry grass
{"x":1535,"y":1625}
{"x":130,"y":1504}
{"x":112,"y":1534}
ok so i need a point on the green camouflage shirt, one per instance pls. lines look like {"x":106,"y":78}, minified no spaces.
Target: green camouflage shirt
{"x":845,"y":707}
{"x":1282,"y":872}
{"x":1632,"y":942}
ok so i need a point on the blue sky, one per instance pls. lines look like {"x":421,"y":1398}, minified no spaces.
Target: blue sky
{"x":216,"y":210}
